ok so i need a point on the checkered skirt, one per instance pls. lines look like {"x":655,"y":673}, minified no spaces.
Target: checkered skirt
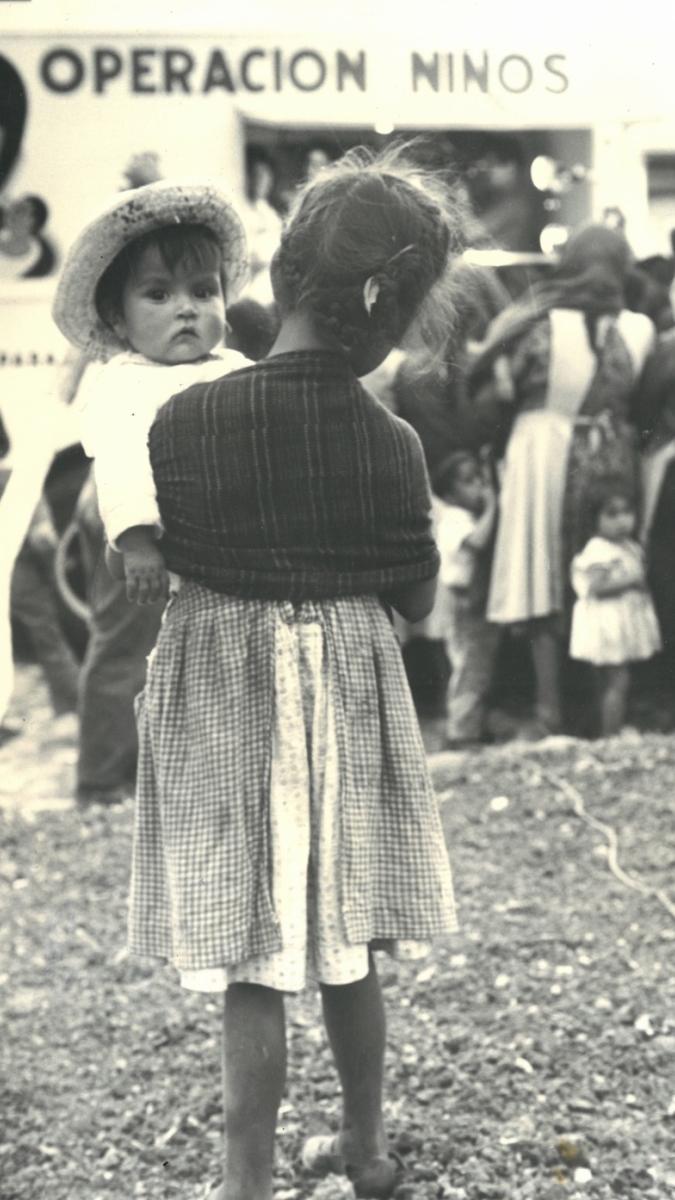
{"x":202,"y":888}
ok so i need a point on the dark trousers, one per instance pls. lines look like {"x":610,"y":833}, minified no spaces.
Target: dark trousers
{"x":33,"y":605}
{"x":113,"y":672}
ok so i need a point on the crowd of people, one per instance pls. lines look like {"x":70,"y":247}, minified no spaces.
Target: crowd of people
{"x":265,"y":531}
{"x":539,"y":410}
{"x":558,"y":403}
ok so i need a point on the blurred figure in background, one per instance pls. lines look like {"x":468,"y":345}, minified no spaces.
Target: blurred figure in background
{"x":465,"y":510}
{"x":33,"y":605}
{"x":13,"y":111}
{"x":262,"y":222}
{"x":613,"y":619}
{"x":433,"y":397}
{"x":317,"y":156}
{"x":648,"y":290}
{"x":113,"y":671}
{"x":25,"y":253}
{"x":657,"y":414}
{"x":556,"y":376}
{"x":504,"y":198}
{"x":252,"y":327}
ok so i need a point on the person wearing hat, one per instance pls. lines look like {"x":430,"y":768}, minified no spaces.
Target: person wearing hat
{"x":143,"y":293}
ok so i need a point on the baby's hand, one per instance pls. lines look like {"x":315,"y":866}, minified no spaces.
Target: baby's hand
{"x":145,"y":573}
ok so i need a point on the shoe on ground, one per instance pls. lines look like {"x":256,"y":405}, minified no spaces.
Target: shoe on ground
{"x":376,"y":1179}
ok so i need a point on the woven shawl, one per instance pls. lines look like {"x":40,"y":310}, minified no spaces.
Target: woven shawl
{"x":288,"y":481}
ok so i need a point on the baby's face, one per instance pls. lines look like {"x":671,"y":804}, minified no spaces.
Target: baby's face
{"x":173,"y":316}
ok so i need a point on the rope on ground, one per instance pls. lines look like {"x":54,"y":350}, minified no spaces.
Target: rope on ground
{"x":611,"y":836}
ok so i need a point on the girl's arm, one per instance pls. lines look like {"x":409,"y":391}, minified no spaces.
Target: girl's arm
{"x":607,"y":581}
{"x":484,"y":528}
{"x":413,"y":601}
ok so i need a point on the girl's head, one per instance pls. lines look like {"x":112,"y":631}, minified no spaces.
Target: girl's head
{"x":363,"y":246}
{"x":458,"y":480}
{"x":164,"y":294}
{"x":612,"y":510}
{"x":154,"y":272}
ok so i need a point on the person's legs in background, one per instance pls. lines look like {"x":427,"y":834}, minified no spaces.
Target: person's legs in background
{"x":113,"y":672}
{"x":546,"y":646}
{"x":471,"y":644}
{"x":613,"y":683}
{"x":33,"y":604}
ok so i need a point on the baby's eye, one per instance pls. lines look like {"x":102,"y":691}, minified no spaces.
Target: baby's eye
{"x":204,"y":290}
{"x":156,"y":294}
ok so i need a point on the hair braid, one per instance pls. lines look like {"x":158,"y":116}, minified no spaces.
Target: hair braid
{"x":366,"y":218}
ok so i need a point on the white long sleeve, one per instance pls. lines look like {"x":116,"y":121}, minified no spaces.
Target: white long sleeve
{"x":118,"y":401}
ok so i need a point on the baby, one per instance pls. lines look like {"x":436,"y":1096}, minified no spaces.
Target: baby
{"x":144,"y":289}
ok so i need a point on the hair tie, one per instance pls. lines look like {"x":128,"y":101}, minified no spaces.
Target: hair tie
{"x":399,"y":254}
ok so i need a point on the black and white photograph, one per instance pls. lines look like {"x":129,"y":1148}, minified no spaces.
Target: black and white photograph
{"x":337,"y":601}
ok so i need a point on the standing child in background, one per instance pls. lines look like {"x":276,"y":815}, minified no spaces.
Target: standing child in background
{"x":285,"y":817}
{"x":465,"y":524}
{"x":144,"y":287}
{"x":613,"y":620}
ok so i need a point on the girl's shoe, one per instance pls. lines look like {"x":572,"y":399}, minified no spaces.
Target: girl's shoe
{"x":375,"y":1179}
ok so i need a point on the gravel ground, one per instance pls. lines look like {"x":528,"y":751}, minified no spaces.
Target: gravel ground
{"x":532,"y":1057}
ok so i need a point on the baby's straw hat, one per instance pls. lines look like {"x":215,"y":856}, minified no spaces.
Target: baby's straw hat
{"x":131,"y":214}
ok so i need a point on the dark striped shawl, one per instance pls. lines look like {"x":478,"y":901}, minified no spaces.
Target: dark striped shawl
{"x":288,"y":481}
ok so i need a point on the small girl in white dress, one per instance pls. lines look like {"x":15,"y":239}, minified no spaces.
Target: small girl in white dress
{"x":613,"y":621}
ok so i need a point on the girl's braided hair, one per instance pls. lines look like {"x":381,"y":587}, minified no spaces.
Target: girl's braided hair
{"x":368,"y":216}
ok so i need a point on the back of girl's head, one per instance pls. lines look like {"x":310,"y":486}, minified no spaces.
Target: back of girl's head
{"x":182,"y":244}
{"x":366,"y":216}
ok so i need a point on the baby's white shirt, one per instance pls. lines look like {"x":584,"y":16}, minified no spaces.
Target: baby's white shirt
{"x":117,"y":401}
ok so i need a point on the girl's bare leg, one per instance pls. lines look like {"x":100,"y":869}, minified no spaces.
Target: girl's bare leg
{"x":254,"y":1075}
{"x":613,"y":684}
{"x":356,"y":1028}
